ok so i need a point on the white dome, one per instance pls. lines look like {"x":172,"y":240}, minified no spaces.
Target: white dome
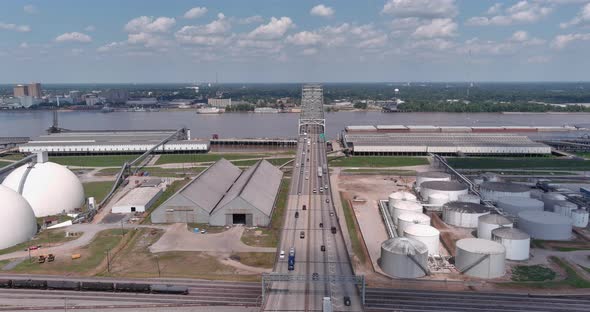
{"x":17,"y":221}
{"x":49,"y":188}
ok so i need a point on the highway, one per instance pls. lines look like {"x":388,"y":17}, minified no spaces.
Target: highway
{"x":310,"y":187}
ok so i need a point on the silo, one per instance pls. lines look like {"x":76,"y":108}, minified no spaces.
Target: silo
{"x":436,"y":201}
{"x":580,"y":218}
{"x":494,"y":190}
{"x":407,"y":218}
{"x":537,"y":194}
{"x":404,"y":257}
{"x":426,"y":234}
{"x":564,"y":208}
{"x":400,"y":196}
{"x":545,"y":225}
{"x":404,"y":206}
{"x":450,"y":188}
{"x":514,"y":205}
{"x":551,"y":198}
{"x":463,"y":214}
{"x":516,"y":242}
{"x":486,"y":224}
{"x":422,"y":177}
{"x":469,"y":198}
{"x":480,"y":258}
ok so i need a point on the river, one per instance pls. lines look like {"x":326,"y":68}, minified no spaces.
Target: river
{"x":251,"y":125}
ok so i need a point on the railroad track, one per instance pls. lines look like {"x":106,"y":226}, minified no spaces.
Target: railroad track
{"x":382,"y":299}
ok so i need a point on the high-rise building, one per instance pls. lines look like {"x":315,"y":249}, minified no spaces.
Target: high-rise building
{"x":21,"y":90}
{"x":35,"y":90}
{"x":76,"y":96}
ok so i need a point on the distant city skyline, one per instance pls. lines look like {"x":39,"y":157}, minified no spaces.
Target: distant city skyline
{"x":179,"y":41}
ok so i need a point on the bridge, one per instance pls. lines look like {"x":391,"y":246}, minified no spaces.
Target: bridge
{"x":321,"y":267}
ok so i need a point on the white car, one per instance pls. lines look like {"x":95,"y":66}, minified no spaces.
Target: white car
{"x":282,"y":255}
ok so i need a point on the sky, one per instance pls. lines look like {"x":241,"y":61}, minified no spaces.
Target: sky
{"x":141,"y":41}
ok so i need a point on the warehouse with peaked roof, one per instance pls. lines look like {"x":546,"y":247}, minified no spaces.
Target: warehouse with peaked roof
{"x":223,"y":194}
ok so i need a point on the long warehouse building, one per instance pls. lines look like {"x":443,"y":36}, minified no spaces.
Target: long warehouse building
{"x":223,"y":195}
{"x":442,"y":143}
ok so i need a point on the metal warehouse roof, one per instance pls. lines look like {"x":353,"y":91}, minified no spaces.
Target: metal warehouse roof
{"x":138,"y":196}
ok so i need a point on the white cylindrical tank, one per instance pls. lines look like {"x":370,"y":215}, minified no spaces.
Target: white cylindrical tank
{"x":486,"y":224}
{"x":494,"y":190}
{"x":564,"y":208}
{"x":407,"y":218}
{"x":422,"y":177}
{"x":426,"y":234}
{"x":17,"y":220}
{"x":49,"y":188}
{"x":450,"y":188}
{"x":480,"y":258}
{"x":404,"y":258}
{"x":550,"y":199}
{"x":537,"y":194}
{"x":437,"y":200}
{"x":400,"y":196}
{"x":404,"y":206}
{"x":514,"y":205}
{"x":469,"y":198}
{"x":516,"y":242}
{"x":545,"y":225}
{"x":580,"y":218}
{"x":463,"y":214}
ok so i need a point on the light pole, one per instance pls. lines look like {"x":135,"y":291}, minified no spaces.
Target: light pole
{"x":158,"y":266}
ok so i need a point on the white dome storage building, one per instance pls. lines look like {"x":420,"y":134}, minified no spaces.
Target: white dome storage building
{"x":450,"y":188}
{"x":428,"y":176}
{"x":17,"y":220}
{"x":516,"y":242}
{"x":400,"y":196}
{"x":471,"y":251}
{"x":408,"y":218}
{"x":495,"y":190}
{"x":486,"y":224}
{"x":404,"y":206}
{"x":514,"y":205}
{"x":545,"y":225}
{"x":462,"y":214}
{"x":49,"y":188}
{"x":469,"y":198}
{"x":580,"y":218}
{"x":404,"y":258}
{"x":425,"y":234}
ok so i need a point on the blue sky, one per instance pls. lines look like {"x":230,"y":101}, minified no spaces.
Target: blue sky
{"x":293,"y":41}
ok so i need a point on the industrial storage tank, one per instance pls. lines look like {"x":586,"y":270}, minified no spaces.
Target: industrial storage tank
{"x":537,"y":194}
{"x":450,"y":188}
{"x":486,"y":224}
{"x":463,"y":214}
{"x":545,"y":225}
{"x":404,"y":257}
{"x":494,"y":190}
{"x":400,"y":196}
{"x":407,"y":218}
{"x":580,"y":218}
{"x":422,"y":177}
{"x":469,"y":198}
{"x":426,"y":234}
{"x":564,"y":208}
{"x":404,"y":206}
{"x":480,"y":258}
{"x":514,"y":205}
{"x":491,"y":177}
{"x":17,"y":220}
{"x":551,"y":198}
{"x":49,"y":188}
{"x":516,"y":242}
{"x":436,"y":201}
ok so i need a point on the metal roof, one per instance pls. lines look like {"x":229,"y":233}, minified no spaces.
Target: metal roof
{"x":543,"y":217}
{"x":404,"y":246}
{"x":495,"y":219}
{"x":138,"y":196}
{"x":510,"y":233}
{"x":444,"y":185}
{"x":466,"y":207}
{"x":441,"y":139}
{"x":481,"y":246}
{"x":505,"y":187}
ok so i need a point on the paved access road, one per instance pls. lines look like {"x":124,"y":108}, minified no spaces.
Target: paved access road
{"x":310,"y":187}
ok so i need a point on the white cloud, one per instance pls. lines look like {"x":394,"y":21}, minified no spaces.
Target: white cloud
{"x":275,"y":29}
{"x":30,"y":9}
{"x":90,"y":28}
{"x":14,"y":27}
{"x":304,"y":38}
{"x":322,"y":10}
{"x":109,"y":47}
{"x":195,"y":12}
{"x":210,"y":34}
{"x":523,"y":12}
{"x":150,"y":24}
{"x":421,"y":8}
{"x":495,"y":9}
{"x":148,"y":40}
{"x":73,"y":37}
{"x":520,"y":36}
{"x":583,"y":17}
{"x":250,"y":20}
{"x":562,"y":41}
{"x":440,"y":27}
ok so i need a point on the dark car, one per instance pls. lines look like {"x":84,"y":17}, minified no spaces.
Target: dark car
{"x":302,"y":235}
{"x":296,"y":214}
{"x":315,"y":276}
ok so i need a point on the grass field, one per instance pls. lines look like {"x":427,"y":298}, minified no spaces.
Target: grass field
{"x":518,"y":163}
{"x":378,"y":161}
{"x":572,"y":279}
{"x":191,"y":158}
{"x":170,"y":190}
{"x":585,"y":155}
{"x":4,"y":163}
{"x":45,"y":238}
{"x":257,"y":259}
{"x":532,"y":273}
{"x":92,"y":161}
{"x":355,"y":240}
{"x":98,"y":190}
{"x":381,"y":171}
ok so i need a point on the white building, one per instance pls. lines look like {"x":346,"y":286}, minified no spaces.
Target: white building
{"x":220,"y":103}
{"x":138,"y":199}
{"x":28,"y":101}
{"x":92,"y":100}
